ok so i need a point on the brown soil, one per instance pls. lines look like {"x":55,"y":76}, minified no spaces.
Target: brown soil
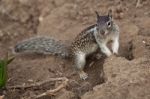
{"x":63,"y":20}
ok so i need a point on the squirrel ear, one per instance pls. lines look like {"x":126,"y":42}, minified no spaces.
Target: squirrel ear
{"x":97,"y":15}
{"x":110,"y":13}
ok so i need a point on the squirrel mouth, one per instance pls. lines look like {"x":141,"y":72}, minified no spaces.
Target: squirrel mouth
{"x":104,"y":32}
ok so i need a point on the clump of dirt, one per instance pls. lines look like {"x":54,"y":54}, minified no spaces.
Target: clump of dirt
{"x":63,"y":20}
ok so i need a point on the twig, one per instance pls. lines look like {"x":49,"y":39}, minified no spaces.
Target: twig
{"x":51,"y":92}
{"x":138,"y":4}
{"x":36,"y":84}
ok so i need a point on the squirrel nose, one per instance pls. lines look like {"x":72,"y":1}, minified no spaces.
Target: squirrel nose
{"x":102,"y":32}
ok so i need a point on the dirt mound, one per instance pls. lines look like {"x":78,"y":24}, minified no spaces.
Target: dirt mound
{"x":125,"y":80}
{"x":126,"y":76}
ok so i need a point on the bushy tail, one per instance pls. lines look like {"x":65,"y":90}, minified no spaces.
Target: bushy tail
{"x":42,"y":45}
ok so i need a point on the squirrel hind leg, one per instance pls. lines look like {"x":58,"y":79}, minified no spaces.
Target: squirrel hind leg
{"x":80,"y":61}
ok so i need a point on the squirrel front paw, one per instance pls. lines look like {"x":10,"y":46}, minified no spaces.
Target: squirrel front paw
{"x":108,"y":54}
{"x":116,"y":54}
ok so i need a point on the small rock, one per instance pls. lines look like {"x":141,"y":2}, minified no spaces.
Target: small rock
{"x":30,"y":80}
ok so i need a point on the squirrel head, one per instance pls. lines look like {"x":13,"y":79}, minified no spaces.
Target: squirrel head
{"x":104,"y":23}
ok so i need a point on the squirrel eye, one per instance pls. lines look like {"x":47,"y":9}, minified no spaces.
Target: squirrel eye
{"x":109,"y":24}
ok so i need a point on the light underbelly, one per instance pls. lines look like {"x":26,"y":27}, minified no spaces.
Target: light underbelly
{"x":90,"y":48}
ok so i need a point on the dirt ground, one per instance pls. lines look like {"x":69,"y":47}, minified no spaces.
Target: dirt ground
{"x":63,"y":20}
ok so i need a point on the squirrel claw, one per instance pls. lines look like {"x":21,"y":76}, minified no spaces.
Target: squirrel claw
{"x":116,"y":54}
{"x":83,"y":75}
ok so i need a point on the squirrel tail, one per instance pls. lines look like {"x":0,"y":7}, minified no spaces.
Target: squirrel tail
{"x":43,"y":45}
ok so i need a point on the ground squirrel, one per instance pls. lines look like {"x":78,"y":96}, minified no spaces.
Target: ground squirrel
{"x":87,"y":42}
